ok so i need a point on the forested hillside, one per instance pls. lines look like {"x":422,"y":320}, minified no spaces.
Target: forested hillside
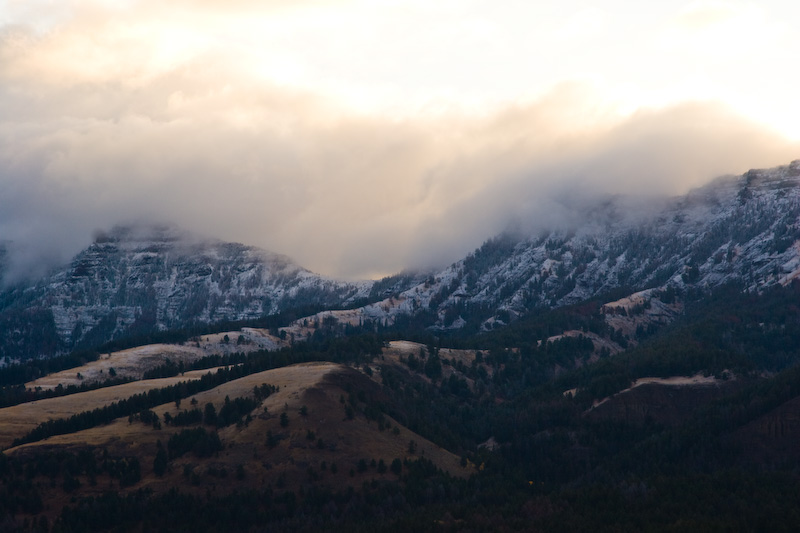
{"x":551,"y":434}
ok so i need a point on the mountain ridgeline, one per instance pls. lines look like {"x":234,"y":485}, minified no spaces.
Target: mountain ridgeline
{"x":134,"y":281}
{"x":733,"y":230}
{"x":741,"y":230}
{"x":137,"y":280}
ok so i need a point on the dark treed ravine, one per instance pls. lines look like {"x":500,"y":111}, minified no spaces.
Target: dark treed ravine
{"x":639,"y":375}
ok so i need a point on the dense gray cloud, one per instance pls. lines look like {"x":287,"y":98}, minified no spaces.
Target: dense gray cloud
{"x":344,"y":193}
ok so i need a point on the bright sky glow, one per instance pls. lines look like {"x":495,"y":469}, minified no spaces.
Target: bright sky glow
{"x":414,"y":56}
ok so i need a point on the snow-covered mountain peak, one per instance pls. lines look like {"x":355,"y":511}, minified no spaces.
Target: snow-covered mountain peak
{"x":743,"y":229}
{"x":136,"y":279}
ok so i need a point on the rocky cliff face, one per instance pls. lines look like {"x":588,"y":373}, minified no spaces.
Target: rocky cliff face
{"x":139,"y":279}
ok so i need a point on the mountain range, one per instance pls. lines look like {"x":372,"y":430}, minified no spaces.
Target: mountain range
{"x":133,"y":280}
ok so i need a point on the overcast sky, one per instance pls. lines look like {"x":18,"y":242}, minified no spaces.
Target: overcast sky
{"x":364,"y":137}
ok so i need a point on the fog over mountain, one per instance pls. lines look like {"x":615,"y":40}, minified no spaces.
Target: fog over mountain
{"x":361,"y":197}
{"x":120,"y":128}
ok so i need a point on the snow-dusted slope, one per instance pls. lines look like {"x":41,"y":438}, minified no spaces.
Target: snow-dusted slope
{"x":743,"y":229}
{"x":134,"y":279}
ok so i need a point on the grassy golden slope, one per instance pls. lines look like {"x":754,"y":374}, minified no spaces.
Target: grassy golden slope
{"x":18,"y":420}
{"x":294,"y":461}
{"x":134,"y":362}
